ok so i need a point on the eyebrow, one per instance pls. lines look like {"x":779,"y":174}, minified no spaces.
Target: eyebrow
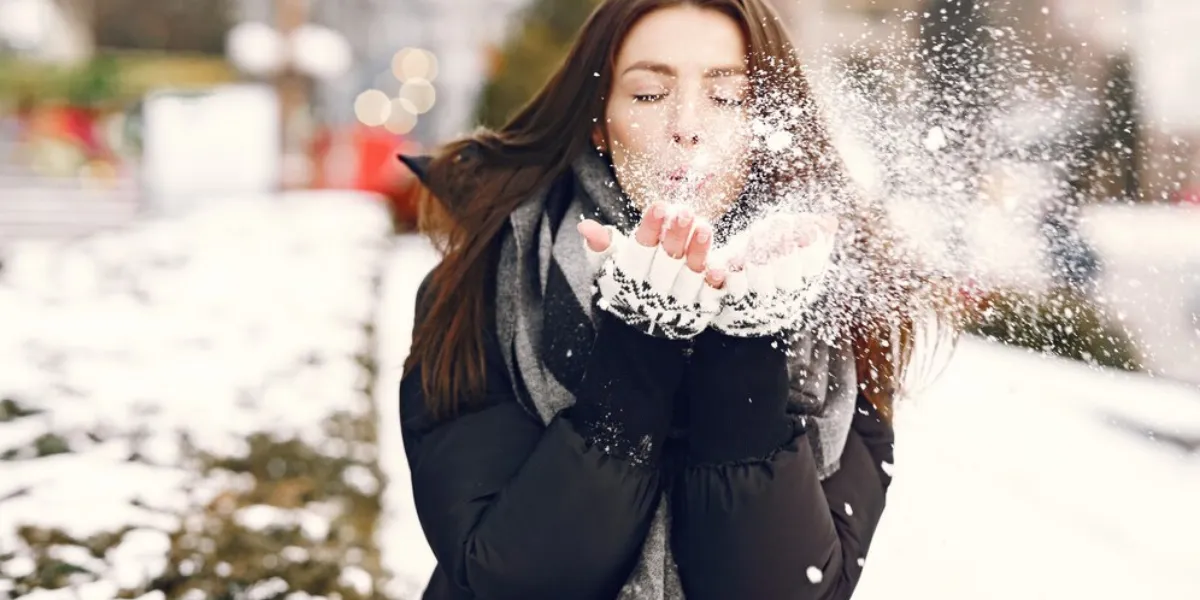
{"x":669,"y":71}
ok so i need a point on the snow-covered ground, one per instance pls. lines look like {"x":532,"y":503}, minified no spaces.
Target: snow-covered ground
{"x":1019,"y":476}
{"x":186,"y":405}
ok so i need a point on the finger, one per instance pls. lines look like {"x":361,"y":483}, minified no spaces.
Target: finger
{"x":697,"y":251}
{"x":711,"y":295}
{"x":736,"y":264}
{"x":649,"y":230}
{"x":596,"y":235}
{"x":806,"y":233}
{"x":635,"y":259}
{"x":678,"y":231}
{"x":715,"y":278}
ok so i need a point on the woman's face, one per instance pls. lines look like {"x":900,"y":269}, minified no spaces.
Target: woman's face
{"x":677,"y":127}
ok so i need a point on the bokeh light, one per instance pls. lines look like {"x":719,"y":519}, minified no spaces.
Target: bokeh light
{"x":321,"y":52}
{"x":420,"y":95}
{"x":372,"y":108}
{"x":256,"y":48}
{"x":400,"y":121}
{"x":407,"y":105}
{"x":414,"y":63}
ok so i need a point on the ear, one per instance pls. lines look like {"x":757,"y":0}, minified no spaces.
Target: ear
{"x":419,"y":165}
{"x":598,"y":138}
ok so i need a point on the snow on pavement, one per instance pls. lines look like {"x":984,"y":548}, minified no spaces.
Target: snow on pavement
{"x":185,"y":407}
{"x":1016,"y":479}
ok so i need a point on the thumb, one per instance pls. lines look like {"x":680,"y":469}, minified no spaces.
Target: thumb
{"x":597,"y":235}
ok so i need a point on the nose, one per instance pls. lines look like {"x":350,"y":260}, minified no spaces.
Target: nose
{"x":685,"y":139}
{"x":687,"y":126}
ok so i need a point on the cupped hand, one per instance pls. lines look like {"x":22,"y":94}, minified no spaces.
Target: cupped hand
{"x":676,"y":229}
{"x":657,"y":279}
{"x":776,"y":268}
{"x":790,"y":247}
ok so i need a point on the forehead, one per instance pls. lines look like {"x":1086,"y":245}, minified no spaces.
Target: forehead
{"x":684,"y":37}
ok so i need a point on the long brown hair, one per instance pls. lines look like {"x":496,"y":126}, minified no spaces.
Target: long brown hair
{"x":473,"y":193}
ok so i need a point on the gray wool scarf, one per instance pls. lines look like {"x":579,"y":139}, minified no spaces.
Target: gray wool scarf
{"x":544,"y":313}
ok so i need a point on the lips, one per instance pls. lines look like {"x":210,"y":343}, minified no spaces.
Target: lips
{"x":691,"y":179}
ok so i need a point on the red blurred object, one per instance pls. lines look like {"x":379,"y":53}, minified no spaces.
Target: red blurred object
{"x":80,"y":124}
{"x":1189,"y":195}
{"x":75,"y":125}
{"x":364,"y":158}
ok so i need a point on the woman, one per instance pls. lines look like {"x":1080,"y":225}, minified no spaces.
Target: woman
{"x":628,"y":378}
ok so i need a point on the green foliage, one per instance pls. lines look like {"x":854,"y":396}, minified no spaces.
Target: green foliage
{"x":98,"y":82}
{"x":12,"y":409}
{"x":1063,"y":322}
{"x":91,"y":83}
{"x":109,"y":79}
{"x":322,"y":517}
{"x":530,"y":57}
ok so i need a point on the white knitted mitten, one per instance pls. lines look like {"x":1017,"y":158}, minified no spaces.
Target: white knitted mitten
{"x":785,"y":260}
{"x":652,"y":291}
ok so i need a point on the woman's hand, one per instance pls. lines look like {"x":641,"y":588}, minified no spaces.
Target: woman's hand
{"x":667,"y":225}
{"x":658,"y":280}
{"x":776,"y":271}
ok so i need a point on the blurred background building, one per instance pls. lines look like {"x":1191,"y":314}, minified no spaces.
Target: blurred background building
{"x":76,"y":78}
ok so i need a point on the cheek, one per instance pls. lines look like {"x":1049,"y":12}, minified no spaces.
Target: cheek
{"x":731,"y":146}
{"x":635,"y":129}
{"x":732,"y":134}
{"x":633,"y":135}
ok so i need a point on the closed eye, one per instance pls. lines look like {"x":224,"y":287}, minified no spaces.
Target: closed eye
{"x":727,"y":101}
{"x":648,"y":97}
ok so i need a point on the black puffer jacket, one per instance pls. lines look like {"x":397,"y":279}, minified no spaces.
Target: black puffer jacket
{"x":514,"y":509}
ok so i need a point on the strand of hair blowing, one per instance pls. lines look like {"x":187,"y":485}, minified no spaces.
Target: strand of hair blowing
{"x":475,"y":184}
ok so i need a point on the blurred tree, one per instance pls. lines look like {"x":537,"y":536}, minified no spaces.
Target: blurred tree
{"x":167,"y":25}
{"x":530,"y":57}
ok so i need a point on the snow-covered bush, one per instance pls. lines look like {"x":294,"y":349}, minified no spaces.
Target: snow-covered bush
{"x":186,"y":409}
{"x":1064,"y":322}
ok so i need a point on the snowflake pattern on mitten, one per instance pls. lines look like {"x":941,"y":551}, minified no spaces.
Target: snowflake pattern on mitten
{"x":648,"y":289}
{"x":773,"y":293}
